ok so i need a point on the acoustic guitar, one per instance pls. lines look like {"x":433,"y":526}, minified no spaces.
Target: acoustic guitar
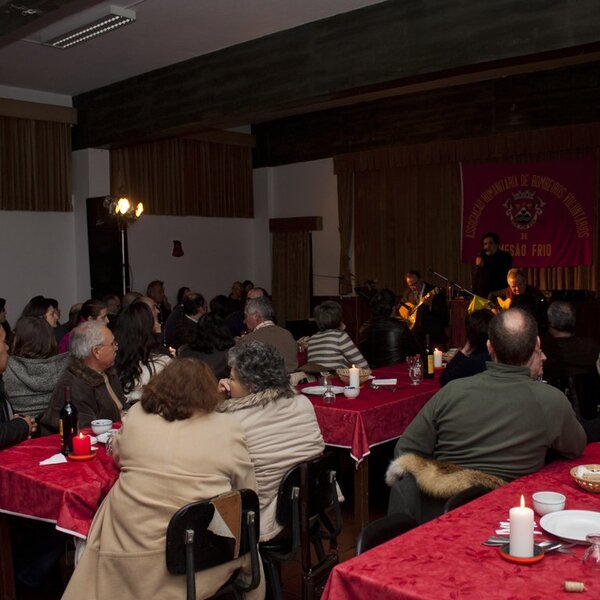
{"x":408,"y":310}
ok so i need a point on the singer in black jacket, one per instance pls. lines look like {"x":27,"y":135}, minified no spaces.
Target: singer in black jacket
{"x":491,"y":266}
{"x":384,"y":340}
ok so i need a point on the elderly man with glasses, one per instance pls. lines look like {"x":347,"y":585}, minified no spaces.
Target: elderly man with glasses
{"x":95,"y":388}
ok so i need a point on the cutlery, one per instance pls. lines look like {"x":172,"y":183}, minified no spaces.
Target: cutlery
{"x":387,"y":387}
{"x":546,"y":546}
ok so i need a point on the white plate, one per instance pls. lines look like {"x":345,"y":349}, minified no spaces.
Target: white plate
{"x":319,"y":390}
{"x":571,"y":525}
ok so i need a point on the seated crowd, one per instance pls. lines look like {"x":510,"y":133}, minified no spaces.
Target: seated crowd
{"x":206,"y":399}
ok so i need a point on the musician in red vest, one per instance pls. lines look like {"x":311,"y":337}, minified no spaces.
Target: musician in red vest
{"x":432,"y":315}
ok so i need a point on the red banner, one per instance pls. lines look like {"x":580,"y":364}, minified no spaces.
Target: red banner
{"x":543,"y":212}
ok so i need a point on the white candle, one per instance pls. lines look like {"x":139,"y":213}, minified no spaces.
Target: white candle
{"x":437,"y":358}
{"x":521,"y":530}
{"x":354,"y":379}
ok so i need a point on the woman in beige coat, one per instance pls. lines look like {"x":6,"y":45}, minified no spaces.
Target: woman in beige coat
{"x":173,"y":449}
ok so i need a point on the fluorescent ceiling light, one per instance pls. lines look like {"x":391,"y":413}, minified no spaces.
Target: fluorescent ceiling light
{"x":116,"y":17}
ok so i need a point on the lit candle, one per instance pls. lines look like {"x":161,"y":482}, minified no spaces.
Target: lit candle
{"x":354,"y":379}
{"x":82,"y":444}
{"x":521,"y":530}
{"x":437,"y":358}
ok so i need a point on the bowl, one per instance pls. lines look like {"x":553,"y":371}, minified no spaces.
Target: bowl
{"x":587,"y":477}
{"x":547,"y":502}
{"x":344,"y":375}
{"x":351,"y":392}
{"x":101,"y":426}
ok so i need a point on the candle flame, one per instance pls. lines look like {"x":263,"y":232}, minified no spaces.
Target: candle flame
{"x":353,"y":367}
{"x":522,"y":501}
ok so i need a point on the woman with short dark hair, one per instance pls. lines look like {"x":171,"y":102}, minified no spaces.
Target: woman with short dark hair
{"x":173,"y":449}
{"x":91,"y":310}
{"x":331,"y":347}
{"x":34,"y":366}
{"x":279,"y":425}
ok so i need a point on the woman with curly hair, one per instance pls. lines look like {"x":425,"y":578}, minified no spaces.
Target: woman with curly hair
{"x":211,"y":341}
{"x":173,"y":449}
{"x":140,"y":356}
{"x":280,"y":425}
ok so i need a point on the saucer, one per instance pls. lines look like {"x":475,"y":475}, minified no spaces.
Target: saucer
{"x":538,"y":554}
{"x":81,"y":457}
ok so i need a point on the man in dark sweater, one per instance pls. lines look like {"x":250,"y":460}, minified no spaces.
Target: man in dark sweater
{"x":491,"y":266}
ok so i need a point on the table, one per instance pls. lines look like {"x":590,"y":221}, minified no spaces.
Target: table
{"x":444,"y":559}
{"x":67,"y":494}
{"x":375,"y":417}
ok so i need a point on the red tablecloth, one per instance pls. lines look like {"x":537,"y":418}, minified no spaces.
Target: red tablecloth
{"x":374,"y":417}
{"x":444,"y":559}
{"x":68,"y":494}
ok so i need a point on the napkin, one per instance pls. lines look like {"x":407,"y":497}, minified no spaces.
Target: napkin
{"x":391,"y":381}
{"x":54,"y":460}
{"x":583,"y":472}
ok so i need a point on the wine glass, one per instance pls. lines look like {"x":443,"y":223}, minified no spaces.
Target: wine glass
{"x":415,"y":372}
{"x":328,"y":395}
{"x":591,"y":558}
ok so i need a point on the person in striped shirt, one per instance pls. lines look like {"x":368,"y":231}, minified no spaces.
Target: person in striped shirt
{"x":332,"y":348}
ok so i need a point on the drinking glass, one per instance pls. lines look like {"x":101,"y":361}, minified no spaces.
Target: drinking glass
{"x":415,"y":372}
{"x":591,"y":558}
{"x":328,"y":395}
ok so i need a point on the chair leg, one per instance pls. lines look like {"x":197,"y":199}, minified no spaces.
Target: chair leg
{"x":272,"y":579}
{"x":190,"y":572}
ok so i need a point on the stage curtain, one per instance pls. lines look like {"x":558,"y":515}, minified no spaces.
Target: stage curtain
{"x":407,"y":205}
{"x":346,"y":213}
{"x":185,"y":177}
{"x":35,"y":165}
{"x":291,"y":275}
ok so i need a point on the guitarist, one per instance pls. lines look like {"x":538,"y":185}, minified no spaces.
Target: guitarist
{"x":517,"y":286}
{"x":432,"y":316}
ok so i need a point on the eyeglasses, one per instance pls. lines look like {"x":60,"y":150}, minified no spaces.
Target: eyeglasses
{"x":114,"y":344}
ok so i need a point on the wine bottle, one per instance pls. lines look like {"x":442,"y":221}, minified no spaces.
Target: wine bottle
{"x":68,"y":426}
{"x":429,"y":364}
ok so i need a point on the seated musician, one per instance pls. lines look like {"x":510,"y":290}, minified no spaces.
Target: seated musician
{"x":517,"y":286}
{"x":427,"y":310}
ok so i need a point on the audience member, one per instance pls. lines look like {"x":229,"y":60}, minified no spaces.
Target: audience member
{"x":235,"y":320}
{"x":113,"y":307}
{"x":140,"y":356}
{"x":67,"y":326}
{"x":13,"y":428}
{"x":91,"y":310}
{"x":221,"y":305}
{"x":210,"y":344}
{"x":236,"y":294}
{"x":474,"y":355}
{"x":571,"y":359}
{"x":194,"y":306}
{"x":95,"y":388}
{"x":129,"y":297}
{"x":331,"y":347}
{"x":383,"y":339}
{"x":42,"y":308}
{"x":173,"y":449}
{"x":428,"y":311}
{"x":3,"y":322}
{"x":156,"y":328}
{"x":34,"y":366}
{"x":280,"y":426}
{"x":175,"y":317}
{"x":156,"y":291}
{"x":491,"y":266}
{"x":260,"y":317}
{"x":500,"y":422}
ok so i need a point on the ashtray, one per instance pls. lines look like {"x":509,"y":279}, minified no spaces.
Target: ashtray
{"x":538,"y":554}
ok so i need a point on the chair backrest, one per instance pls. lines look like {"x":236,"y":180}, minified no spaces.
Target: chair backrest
{"x":383,"y":530}
{"x":209,"y":548}
{"x":318,"y":472}
{"x":465,"y":496}
{"x":583,"y":391}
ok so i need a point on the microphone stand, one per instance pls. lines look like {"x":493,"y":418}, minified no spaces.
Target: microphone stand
{"x":451,"y":284}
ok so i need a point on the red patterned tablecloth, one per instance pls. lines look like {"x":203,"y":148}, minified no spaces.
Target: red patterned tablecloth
{"x":444,"y":559}
{"x":68,"y":494}
{"x":374,"y":417}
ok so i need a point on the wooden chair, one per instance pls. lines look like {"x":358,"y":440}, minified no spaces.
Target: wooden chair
{"x":192,"y":547}
{"x":306,"y":492}
{"x":383,"y":530}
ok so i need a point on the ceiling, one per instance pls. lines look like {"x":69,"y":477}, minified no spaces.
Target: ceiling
{"x":165,"y":32}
